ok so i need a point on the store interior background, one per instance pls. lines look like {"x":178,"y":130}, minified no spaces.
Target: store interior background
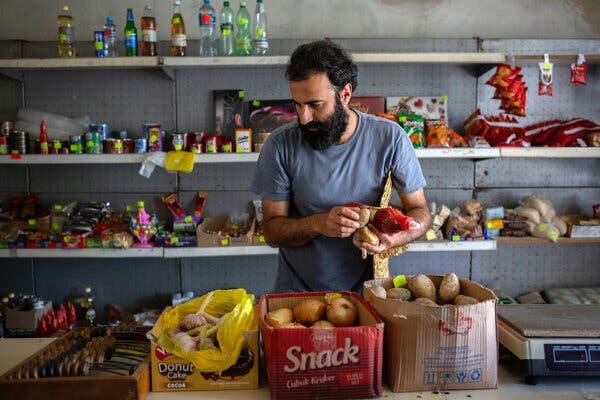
{"x":128,"y":98}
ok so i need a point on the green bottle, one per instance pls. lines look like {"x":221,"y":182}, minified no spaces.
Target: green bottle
{"x":131,"y":45}
{"x":243,"y":40}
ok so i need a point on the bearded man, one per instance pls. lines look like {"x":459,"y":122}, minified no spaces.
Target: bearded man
{"x":332,"y":155}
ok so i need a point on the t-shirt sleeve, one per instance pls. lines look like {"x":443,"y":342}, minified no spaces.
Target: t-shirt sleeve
{"x":406,"y":169}
{"x":270,"y":178}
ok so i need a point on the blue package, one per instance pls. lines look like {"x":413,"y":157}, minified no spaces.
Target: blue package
{"x":493,"y":213}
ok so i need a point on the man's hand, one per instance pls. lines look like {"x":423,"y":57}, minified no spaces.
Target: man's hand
{"x":386,"y":241}
{"x":340,"y":222}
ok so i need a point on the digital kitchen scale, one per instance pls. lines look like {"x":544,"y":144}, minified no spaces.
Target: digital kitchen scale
{"x":552,"y":339}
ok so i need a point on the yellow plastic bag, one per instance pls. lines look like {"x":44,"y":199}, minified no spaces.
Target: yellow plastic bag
{"x":182,"y":161}
{"x":231,"y":333}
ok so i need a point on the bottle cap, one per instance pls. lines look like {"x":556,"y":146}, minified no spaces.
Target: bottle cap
{"x":65,"y":7}
{"x":243,"y":4}
{"x":57,"y":207}
{"x":225,"y":4}
{"x":109,"y":19}
{"x":140,"y":204}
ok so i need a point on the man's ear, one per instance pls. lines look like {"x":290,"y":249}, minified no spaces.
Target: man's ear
{"x":346,"y":94}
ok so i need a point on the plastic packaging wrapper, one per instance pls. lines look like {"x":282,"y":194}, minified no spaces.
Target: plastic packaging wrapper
{"x":151,"y":161}
{"x":530,"y":213}
{"x":235,"y":311}
{"x":546,"y":231}
{"x":182,"y":161}
{"x":543,"y":207}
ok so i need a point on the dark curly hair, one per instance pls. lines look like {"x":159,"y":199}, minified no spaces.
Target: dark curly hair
{"x":322,"y":56}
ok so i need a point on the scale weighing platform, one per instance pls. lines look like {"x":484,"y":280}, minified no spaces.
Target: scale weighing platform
{"x":552,"y":339}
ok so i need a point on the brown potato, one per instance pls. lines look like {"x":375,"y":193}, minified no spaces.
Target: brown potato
{"x":379,"y":291}
{"x":425,"y":301}
{"x":365,"y":235}
{"x":364,"y":216}
{"x":462,"y":300}
{"x":402,"y":294}
{"x":449,"y":288}
{"x":422,"y":286}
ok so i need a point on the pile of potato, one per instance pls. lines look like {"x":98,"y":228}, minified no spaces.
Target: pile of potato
{"x":421,"y":289}
{"x":314,"y":313}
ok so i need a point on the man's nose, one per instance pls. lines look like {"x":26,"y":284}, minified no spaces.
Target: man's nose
{"x":304,"y":114}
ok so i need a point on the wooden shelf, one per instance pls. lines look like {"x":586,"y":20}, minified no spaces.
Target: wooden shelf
{"x":78,"y":63}
{"x":185,"y":252}
{"x":460,"y":152}
{"x":533,"y":240}
{"x":250,"y":61}
{"x":550,"y":152}
{"x":556,"y":58}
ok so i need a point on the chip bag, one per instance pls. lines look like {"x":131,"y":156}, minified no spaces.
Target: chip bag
{"x":414,"y":126}
{"x":233,"y":314}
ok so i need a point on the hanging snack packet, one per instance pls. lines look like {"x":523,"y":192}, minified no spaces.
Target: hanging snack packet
{"x":545,"y":82}
{"x":579,"y":71}
{"x":414,"y":126}
{"x":436,"y":133}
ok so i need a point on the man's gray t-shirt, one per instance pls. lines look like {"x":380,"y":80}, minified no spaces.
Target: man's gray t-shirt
{"x":314,"y":181}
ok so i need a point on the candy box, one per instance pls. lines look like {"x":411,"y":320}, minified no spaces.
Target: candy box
{"x":429,"y":107}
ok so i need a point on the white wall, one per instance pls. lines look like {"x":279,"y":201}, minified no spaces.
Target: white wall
{"x":35,"y":19}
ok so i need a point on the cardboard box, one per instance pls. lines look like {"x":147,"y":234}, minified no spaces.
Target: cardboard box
{"x":243,"y":140}
{"x":368,"y":104}
{"x":323,"y":363}
{"x":438,"y":348}
{"x":174,"y":374}
{"x":17,"y":320}
{"x":217,"y":238}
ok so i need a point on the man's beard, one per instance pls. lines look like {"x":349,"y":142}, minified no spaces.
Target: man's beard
{"x":322,"y":135}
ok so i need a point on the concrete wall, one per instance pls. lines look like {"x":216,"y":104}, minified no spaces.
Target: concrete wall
{"x":35,"y":19}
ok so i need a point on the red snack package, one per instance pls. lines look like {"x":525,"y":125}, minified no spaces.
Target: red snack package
{"x":455,"y":139}
{"x":540,"y":128}
{"x":390,"y":220}
{"x":503,"y":76}
{"x":568,"y":135}
{"x":199,"y":207}
{"x":71,"y":313}
{"x":436,"y":133}
{"x":579,"y":71}
{"x":170,"y":201}
{"x":42,"y":327}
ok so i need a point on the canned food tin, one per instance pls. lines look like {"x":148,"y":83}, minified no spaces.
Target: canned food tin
{"x":212,"y":144}
{"x":140,"y":145}
{"x":113,"y":146}
{"x":103,"y":129}
{"x":128,"y":146}
{"x":177,"y":142}
{"x":93,"y":142}
{"x":3,"y":145}
{"x":75,"y":146}
{"x":19,"y":142}
{"x":197,"y":148}
{"x":99,"y":44}
{"x":6,"y":127}
{"x":226,"y":146}
{"x":153,"y":136}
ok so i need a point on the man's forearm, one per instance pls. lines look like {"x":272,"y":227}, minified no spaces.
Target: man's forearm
{"x":423,"y":217}
{"x":291,"y":232}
